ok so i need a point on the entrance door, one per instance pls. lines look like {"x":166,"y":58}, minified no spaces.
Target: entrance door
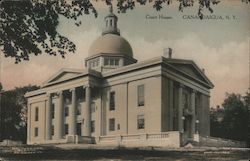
{"x":188,"y":117}
{"x":79,"y":129}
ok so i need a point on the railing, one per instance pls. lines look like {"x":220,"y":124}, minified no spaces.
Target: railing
{"x":154,"y":139}
{"x":107,"y":138}
{"x":158,"y":136}
{"x":131,"y":137}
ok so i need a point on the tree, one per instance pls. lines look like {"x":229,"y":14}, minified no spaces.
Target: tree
{"x":13,"y":113}
{"x":30,"y":26}
{"x":216,"y":117}
{"x":247,"y":104}
{"x":234,"y":118}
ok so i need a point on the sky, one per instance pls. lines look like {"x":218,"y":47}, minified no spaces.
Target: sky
{"x":220,"y":46}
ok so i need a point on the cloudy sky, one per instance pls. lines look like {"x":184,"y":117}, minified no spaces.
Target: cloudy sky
{"x":219,"y":46}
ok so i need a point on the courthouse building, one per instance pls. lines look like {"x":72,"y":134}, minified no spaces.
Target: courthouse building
{"x":117,"y":100}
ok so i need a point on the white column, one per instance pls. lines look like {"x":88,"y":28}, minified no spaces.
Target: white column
{"x":180,"y":108}
{"x":59,"y":117}
{"x":29,"y":124}
{"x":171,"y":104}
{"x":193,"y":112}
{"x":72,"y":115}
{"x":48,"y":117}
{"x":83,"y":112}
{"x":87,"y":120}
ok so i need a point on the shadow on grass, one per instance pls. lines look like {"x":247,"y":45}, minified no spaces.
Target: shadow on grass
{"x":126,"y":154}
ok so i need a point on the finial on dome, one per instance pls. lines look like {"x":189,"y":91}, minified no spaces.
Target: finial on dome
{"x":111,"y":8}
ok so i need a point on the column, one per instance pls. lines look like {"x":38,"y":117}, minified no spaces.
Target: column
{"x":29,"y":124}
{"x":193,"y":112}
{"x":48,"y":117}
{"x":180,"y":108}
{"x":171,"y":104}
{"x":83,"y":112}
{"x":87,"y":120}
{"x":59,"y":116}
{"x":72,"y":114}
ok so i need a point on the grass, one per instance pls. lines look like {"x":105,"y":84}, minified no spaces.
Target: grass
{"x":120,"y":153}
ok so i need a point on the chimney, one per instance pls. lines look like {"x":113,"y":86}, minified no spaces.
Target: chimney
{"x":167,"y":53}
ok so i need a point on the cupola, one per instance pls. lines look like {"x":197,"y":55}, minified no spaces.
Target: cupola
{"x":110,"y":50}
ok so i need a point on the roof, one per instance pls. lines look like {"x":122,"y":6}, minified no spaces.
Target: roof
{"x":186,"y":68}
{"x":111,"y":44}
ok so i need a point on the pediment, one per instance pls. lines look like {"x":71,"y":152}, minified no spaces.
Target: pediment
{"x":62,"y":75}
{"x":191,"y":69}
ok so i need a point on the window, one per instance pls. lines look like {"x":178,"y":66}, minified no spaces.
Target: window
{"x":36,"y":114}
{"x":52,"y":130}
{"x":67,"y":101}
{"x":94,"y":63}
{"x":53,"y":110}
{"x":97,"y":62}
{"x":140,"y":92}
{"x":140,"y":122}
{"x":185,"y":100}
{"x":80,"y":95}
{"x":78,"y":109}
{"x":118,"y":127}
{"x":79,"y":129}
{"x":116,"y":62}
{"x":196,"y":104}
{"x":67,"y":95}
{"x":92,"y":126}
{"x":66,"y":128}
{"x":66,"y":111}
{"x":106,"y":61}
{"x":36,"y":131}
{"x":111,"y":61}
{"x":112,"y":124}
{"x":112,"y":101}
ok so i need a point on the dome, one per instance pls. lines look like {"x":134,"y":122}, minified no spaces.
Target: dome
{"x":111,"y":44}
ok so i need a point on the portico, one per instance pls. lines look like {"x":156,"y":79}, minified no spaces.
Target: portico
{"x":63,"y":114}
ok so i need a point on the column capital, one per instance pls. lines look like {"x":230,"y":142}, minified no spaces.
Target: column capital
{"x":72,"y":89}
{"x":55,"y":95}
{"x":59,"y":93}
{"x":86,"y":86}
{"x":48,"y":94}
